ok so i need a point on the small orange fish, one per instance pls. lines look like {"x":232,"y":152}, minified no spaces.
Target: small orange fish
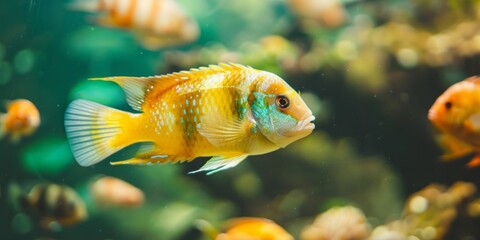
{"x":456,"y":113}
{"x":156,"y":23}
{"x":254,"y":229}
{"x":108,"y":191}
{"x":22,"y":119}
{"x":228,"y":111}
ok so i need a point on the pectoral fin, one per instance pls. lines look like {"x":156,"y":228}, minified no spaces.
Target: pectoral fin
{"x":157,"y":159}
{"x":220,"y":163}
{"x":473,"y":123}
{"x":220,"y":131}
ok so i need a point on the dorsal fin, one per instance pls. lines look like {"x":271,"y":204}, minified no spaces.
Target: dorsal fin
{"x":137,"y":87}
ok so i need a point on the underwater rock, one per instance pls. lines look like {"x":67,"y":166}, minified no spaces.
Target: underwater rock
{"x":428,"y":213}
{"x":340,"y":223}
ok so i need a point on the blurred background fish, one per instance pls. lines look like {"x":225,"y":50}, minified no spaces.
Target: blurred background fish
{"x":52,"y":205}
{"x":253,"y":229}
{"x":456,"y":113}
{"x":329,"y":13}
{"x":21,"y":119}
{"x":110,"y":191}
{"x":227,"y":111}
{"x":155,"y":23}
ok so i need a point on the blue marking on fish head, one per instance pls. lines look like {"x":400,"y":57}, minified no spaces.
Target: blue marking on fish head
{"x":272,"y":122}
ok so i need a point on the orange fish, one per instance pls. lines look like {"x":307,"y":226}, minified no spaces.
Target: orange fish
{"x":228,"y":111}
{"x":22,"y":119}
{"x":254,"y":229}
{"x":156,"y":23}
{"x":456,"y":113}
{"x":107,"y":191}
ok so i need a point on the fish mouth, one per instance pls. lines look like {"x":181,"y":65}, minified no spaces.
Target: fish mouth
{"x":432,"y":115}
{"x":306,"y":124}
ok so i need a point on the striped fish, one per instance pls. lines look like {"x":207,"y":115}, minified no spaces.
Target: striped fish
{"x":53,"y":203}
{"x":156,"y":23}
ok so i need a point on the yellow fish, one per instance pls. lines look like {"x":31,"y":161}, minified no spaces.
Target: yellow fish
{"x":456,"y":113}
{"x":227,"y":111}
{"x":254,"y":229}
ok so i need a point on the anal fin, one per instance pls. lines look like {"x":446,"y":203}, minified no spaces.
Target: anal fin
{"x":156,"y":159}
{"x":454,"y":148}
{"x":220,"y":163}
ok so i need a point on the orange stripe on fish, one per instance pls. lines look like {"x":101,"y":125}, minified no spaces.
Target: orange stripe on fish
{"x":128,"y":18}
{"x":102,"y":5}
{"x":156,"y":23}
{"x":114,"y":10}
{"x":152,"y":15}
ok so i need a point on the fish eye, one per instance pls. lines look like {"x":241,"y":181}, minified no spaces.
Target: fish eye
{"x":448,"y":105}
{"x":282,"y":102}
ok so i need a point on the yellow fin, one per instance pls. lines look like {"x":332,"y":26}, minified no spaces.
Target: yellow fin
{"x":454,"y":147}
{"x":137,"y":88}
{"x":95,"y":131}
{"x":221,"y":131}
{"x":220,"y":163}
{"x":134,"y":87}
{"x":159,"y":159}
{"x":145,"y":89}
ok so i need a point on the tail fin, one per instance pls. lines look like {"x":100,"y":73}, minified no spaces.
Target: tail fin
{"x":96,"y":131}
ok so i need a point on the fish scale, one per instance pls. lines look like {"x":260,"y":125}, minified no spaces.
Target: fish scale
{"x":184,"y":134}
